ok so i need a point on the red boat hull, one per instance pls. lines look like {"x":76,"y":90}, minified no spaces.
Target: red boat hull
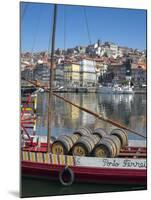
{"x":86,"y":174}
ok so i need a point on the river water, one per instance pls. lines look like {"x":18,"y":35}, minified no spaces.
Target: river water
{"x":129,"y":110}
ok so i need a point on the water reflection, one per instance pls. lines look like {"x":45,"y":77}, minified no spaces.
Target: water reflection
{"x":130,"y":110}
{"x":126,"y":109}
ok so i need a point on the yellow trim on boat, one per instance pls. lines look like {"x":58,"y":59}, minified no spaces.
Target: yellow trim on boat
{"x":39,"y":157}
{"x":25,"y":155}
{"x":70,"y":161}
{"x":32,"y":156}
{"x":62,"y":159}
{"x":47,"y":159}
{"x":28,"y":109}
{"x":54,"y":159}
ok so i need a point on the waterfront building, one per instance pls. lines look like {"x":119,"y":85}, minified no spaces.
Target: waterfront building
{"x":71,"y":51}
{"x":123,"y":50}
{"x":116,"y":72}
{"x":109,"y":53}
{"x":80,"y":49}
{"x":59,"y":75}
{"x":139,"y":74}
{"x":90,"y":50}
{"x":114,"y":49}
{"x":42,"y":73}
{"x":27,"y":74}
{"x":101,"y":70}
{"x":71,"y":74}
{"x":98,"y":50}
{"x":126,"y":71}
{"x":120,"y":52}
{"x":82,"y":73}
{"x":59,"y":51}
{"x":134,"y":56}
{"x":88,"y":73}
{"x":110,"y":49}
{"x":24,"y":65}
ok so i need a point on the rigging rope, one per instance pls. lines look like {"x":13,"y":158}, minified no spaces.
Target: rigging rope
{"x":36,"y":28}
{"x":87,"y":25}
{"x":88,"y":31}
{"x":36,"y":31}
{"x":50,"y":35}
{"x":64,"y":30}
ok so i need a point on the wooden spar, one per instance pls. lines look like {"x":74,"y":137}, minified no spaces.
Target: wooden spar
{"x":51,"y":79}
{"x":93,"y":113}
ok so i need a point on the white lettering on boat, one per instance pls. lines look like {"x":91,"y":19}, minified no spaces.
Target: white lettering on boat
{"x":111,"y":162}
{"x":108,"y":163}
{"x":131,"y":163}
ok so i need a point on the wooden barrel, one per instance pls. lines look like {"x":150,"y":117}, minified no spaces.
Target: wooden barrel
{"x":116,"y":141}
{"x":88,"y":129}
{"x":83,"y":131}
{"x":62,"y":145}
{"x":74,"y":138}
{"x":122,"y":135}
{"x":95,"y":138}
{"x":106,"y":148}
{"x":84,"y":145}
{"x":100,"y":132}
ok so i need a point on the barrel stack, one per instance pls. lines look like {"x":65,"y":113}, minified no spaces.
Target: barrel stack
{"x":87,"y":142}
{"x":64,"y":143}
{"x":111,"y":144}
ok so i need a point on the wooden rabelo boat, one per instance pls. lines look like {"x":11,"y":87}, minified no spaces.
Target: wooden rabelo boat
{"x":128,"y":168}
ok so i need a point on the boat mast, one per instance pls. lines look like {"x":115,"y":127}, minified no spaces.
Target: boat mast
{"x":51,"y":78}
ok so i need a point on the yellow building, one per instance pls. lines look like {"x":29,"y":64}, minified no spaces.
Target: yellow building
{"x":72,"y":74}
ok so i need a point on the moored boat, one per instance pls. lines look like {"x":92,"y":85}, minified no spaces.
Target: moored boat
{"x":128,"y":168}
{"x":115,"y":89}
{"x":25,"y":90}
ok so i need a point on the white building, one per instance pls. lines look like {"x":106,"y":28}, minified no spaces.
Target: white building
{"x":114,"y":50}
{"x":88,"y":72}
{"x":110,"y":49}
{"x":120,"y":52}
{"x":101,"y":70}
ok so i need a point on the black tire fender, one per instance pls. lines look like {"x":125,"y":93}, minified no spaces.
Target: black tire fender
{"x":67,"y":170}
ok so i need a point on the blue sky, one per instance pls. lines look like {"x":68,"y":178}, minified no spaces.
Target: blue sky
{"x":126,"y":27}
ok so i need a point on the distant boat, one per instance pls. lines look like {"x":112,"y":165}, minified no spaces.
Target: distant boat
{"x":41,"y":90}
{"x":25,"y":90}
{"x":115,"y":89}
